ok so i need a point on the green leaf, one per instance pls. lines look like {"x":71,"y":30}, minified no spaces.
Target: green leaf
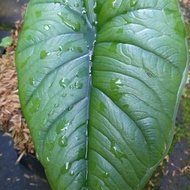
{"x":6,"y":41}
{"x":100,"y":83}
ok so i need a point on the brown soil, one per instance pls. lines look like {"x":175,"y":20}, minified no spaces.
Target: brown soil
{"x":11,"y":119}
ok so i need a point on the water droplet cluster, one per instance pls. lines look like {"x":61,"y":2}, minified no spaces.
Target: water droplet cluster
{"x":69,"y":22}
{"x":117,"y":153}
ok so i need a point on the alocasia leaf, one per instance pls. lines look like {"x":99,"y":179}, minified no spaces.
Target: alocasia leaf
{"x":99,"y":83}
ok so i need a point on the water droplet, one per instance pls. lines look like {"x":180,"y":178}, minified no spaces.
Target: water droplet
{"x":149,"y":73}
{"x":78,"y":49}
{"x":83,"y":10}
{"x":47,"y":27}
{"x":51,"y":113}
{"x":75,"y":26}
{"x":78,"y":85}
{"x":94,"y":23}
{"x":29,"y":37}
{"x":77,"y":138}
{"x":72,"y":86}
{"x":114,"y":4}
{"x":51,"y":84}
{"x":81,"y":153}
{"x":120,"y":31}
{"x":37,"y":156}
{"x":116,"y":84}
{"x":106,"y":175}
{"x":43,"y":54}
{"x":72,"y":173}
{"x":76,"y":4}
{"x":60,"y":50}
{"x":31,"y":81}
{"x":36,"y":102}
{"x":86,"y":133}
{"x":64,"y":82}
{"x":64,"y":95}
{"x":56,"y":105}
{"x":118,"y":154}
{"x":70,"y":108}
{"x":63,"y":141}
{"x":65,"y":1}
{"x":45,"y":121}
{"x":56,"y":2}
{"x":47,"y":160}
{"x":113,"y":48}
{"x":38,"y":13}
{"x":133,"y":3}
{"x":62,"y":126}
{"x":65,"y":168}
{"x":125,"y":106}
{"x":70,"y":47}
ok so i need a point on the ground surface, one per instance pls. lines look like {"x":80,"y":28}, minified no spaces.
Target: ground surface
{"x":28,"y":174}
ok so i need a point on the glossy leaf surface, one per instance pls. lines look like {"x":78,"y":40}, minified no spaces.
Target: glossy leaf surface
{"x":99,"y":84}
